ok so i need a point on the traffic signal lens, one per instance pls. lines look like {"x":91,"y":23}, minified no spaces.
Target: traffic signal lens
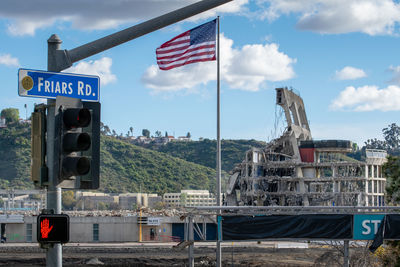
{"x":75,"y":166}
{"x":76,"y":117}
{"x":76,"y":142}
{"x":84,"y":117}
{"x":83,"y":166}
{"x":83,"y":141}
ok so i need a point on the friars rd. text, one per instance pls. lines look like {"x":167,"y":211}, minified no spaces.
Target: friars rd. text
{"x":44,"y":84}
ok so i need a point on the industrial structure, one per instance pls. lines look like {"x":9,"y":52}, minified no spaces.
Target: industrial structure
{"x":295,"y":170}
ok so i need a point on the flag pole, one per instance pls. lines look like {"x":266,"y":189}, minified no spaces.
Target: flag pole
{"x":218,"y":254}
{"x":218,"y":123}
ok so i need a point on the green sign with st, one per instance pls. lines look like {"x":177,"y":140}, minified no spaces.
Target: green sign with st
{"x":365,"y":226}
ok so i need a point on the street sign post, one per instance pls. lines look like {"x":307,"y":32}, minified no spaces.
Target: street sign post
{"x":46,"y":84}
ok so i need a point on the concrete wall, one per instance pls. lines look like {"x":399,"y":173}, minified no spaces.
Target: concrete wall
{"x":16,"y":232}
{"x":110,"y":229}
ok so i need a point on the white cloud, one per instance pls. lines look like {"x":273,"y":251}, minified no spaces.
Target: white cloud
{"x":373,"y":17}
{"x":368,"y":98}
{"x":236,"y":6}
{"x":28,"y":26}
{"x":26,"y":17}
{"x":101,"y":68}
{"x":8,"y":60}
{"x":247,"y":68}
{"x":396,"y":74}
{"x":273,"y":9}
{"x":180,"y":78}
{"x":350,"y":73}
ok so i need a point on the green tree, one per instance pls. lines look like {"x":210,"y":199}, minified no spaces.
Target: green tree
{"x":158,"y":134}
{"x":10,"y":114}
{"x":391,"y":170}
{"x":146,"y":133}
{"x":375,"y":144}
{"x":392,"y":137}
{"x":188,"y":135}
{"x":68,"y":200}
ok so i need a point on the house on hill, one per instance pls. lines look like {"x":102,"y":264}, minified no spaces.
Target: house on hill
{"x":184,"y":138}
{"x":3,"y":122}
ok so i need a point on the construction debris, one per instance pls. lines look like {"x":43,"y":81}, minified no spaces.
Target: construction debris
{"x":294,"y":170}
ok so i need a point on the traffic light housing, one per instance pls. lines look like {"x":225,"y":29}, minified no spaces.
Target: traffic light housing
{"x":53,"y":228}
{"x":77,"y":143}
{"x":39,"y":171}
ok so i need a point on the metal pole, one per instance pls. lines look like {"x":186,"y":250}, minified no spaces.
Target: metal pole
{"x":191,"y":240}
{"x":142,"y":29}
{"x":140,"y":226}
{"x":346,"y":253}
{"x":54,"y":254}
{"x":185,"y":230}
{"x":204,"y":230}
{"x":65,"y":58}
{"x":219,"y":251}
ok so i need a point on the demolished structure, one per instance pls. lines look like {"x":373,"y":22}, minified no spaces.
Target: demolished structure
{"x":295,"y":170}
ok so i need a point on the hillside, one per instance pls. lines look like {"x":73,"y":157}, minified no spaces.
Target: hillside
{"x":124,"y":167}
{"x":15,"y":156}
{"x":204,"y":152}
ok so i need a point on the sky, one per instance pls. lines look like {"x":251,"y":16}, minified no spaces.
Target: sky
{"x":340,"y":56}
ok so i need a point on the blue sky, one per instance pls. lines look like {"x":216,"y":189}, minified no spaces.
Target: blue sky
{"x":340,"y":56}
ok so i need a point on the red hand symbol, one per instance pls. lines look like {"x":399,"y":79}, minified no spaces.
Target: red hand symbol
{"x":45,"y":229}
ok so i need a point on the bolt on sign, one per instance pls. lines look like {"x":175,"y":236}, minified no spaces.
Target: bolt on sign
{"x":53,"y":228}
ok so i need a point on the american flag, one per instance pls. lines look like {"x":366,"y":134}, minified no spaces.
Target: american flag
{"x":195,"y":45}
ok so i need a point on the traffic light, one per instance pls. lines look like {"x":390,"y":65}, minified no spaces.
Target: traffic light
{"x":77,"y":144}
{"x":75,"y":140}
{"x":53,"y":228}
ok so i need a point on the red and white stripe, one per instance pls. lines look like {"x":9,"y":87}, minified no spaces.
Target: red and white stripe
{"x":178,"y":52}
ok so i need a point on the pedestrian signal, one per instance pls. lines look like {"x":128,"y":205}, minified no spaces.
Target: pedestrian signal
{"x":53,"y":228}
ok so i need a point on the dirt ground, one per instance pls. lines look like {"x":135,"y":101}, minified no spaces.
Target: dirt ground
{"x":166,"y":255}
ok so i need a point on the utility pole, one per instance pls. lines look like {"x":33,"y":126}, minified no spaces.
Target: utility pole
{"x":59,"y":60}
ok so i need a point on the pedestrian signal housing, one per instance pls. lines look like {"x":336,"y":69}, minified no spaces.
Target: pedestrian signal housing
{"x":53,"y":228}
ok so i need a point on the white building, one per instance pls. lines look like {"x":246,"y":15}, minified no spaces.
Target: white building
{"x":190,"y":198}
{"x":3,"y":122}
